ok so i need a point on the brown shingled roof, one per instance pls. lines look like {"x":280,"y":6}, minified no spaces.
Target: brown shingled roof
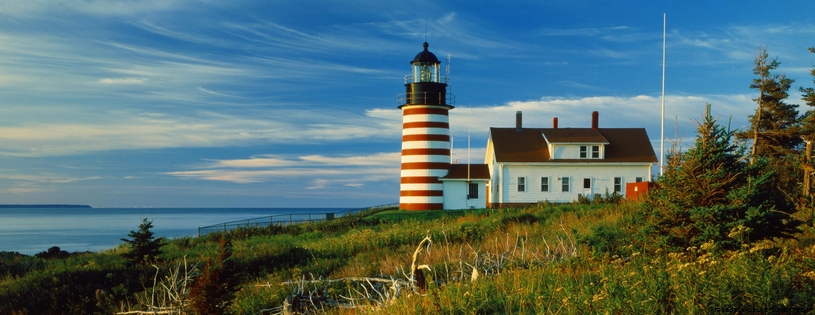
{"x":459,"y":171}
{"x":529,"y":145}
{"x":573,"y":135}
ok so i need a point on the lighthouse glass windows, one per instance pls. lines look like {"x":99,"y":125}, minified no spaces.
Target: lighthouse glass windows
{"x":426,"y":72}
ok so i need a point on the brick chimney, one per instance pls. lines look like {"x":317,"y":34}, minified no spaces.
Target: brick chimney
{"x":554,"y":123}
{"x":518,"y":120}
{"x":595,"y":116}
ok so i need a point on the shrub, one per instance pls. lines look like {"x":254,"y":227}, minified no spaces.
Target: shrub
{"x":144,"y":248}
{"x":710,"y":193}
{"x":53,"y":253}
{"x":214,"y":289}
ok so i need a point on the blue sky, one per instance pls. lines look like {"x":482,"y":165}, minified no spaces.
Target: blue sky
{"x":177,"y":103}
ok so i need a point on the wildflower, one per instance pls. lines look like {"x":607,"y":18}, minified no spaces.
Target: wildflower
{"x":707,"y":246}
{"x":739,"y":232}
{"x":785,"y":302}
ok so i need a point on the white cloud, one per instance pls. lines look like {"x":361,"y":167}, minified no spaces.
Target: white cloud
{"x":46,"y":178}
{"x":318,"y":170}
{"x":21,"y":190}
{"x":123,"y":80}
{"x":92,"y":7}
{"x":126,"y":130}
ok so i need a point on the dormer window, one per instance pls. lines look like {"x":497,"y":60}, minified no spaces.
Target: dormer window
{"x":595,"y":152}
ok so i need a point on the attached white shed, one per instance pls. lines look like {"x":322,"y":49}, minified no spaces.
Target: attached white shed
{"x":465,"y":186}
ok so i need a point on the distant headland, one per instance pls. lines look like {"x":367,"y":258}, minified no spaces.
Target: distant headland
{"x":43,"y":206}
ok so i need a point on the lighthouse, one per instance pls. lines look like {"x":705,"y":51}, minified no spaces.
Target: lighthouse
{"x":425,"y":134}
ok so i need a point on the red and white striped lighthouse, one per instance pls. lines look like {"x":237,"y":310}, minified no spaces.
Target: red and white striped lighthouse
{"x":425,"y":135}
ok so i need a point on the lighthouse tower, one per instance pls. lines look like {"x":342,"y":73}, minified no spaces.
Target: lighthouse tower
{"x":425,"y":135}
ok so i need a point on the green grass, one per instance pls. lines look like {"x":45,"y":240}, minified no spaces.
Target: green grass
{"x":546,"y":259}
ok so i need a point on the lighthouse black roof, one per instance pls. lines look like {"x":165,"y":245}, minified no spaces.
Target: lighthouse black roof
{"x":426,"y":56}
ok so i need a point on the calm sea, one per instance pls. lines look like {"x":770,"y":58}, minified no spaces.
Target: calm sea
{"x":30,"y":231}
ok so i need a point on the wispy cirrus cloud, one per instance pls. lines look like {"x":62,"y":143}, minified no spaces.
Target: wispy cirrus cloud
{"x":122,"y":80}
{"x":312,"y":171}
{"x":126,"y":130}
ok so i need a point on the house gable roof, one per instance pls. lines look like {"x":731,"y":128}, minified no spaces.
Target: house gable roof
{"x":529,"y":145}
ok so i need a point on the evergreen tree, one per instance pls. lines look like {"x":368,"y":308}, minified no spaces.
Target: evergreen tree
{"x":144,"y":248}
{"x":775,"y":128}
{"x":808,"y":119}
{"x":710,"y":193}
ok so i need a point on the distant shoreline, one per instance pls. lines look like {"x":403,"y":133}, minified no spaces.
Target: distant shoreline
{"x":45,"y":206}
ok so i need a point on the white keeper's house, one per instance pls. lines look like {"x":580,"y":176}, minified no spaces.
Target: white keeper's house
{"x":530,"y":165}
{"x":522,"y":165}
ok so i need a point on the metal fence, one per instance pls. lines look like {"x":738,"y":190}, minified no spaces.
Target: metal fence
{"x":284,"y":219}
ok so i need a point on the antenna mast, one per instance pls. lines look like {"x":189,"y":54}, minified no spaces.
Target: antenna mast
{"x":447,"y":69}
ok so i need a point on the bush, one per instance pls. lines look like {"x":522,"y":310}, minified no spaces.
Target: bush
{"x":214,"y":289}
{"x":710,"y":193}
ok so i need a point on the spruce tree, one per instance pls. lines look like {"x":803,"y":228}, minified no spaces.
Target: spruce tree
{"x":808,"y":119}
{"x":144,"y":248}
{"x":774,"y":128}
{"x":710,"y":191}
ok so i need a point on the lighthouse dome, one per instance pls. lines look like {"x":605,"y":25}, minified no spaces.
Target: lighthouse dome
{"x":425,"y":57}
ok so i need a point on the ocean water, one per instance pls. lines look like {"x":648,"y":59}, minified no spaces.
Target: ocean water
{"x":33,"y":230}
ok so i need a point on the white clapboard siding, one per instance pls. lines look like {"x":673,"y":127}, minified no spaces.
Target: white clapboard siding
{"x":504,"y":183}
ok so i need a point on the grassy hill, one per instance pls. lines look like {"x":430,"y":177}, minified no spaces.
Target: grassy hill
{"x":547,"y":259}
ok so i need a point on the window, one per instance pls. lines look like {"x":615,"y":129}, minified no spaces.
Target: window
{"x":583,"y":152}
{"x":587,"y":183}
{"x":564,"y":184}
{"x":473,"y":194}
{"x":521,"y":183}
{"x":618,"y":184}
{"x":595,"y":152}
{"x":544,"y":183}
{"x":639,"y":179}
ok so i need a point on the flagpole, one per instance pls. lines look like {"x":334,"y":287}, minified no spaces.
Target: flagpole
{"x":662,"y":134}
